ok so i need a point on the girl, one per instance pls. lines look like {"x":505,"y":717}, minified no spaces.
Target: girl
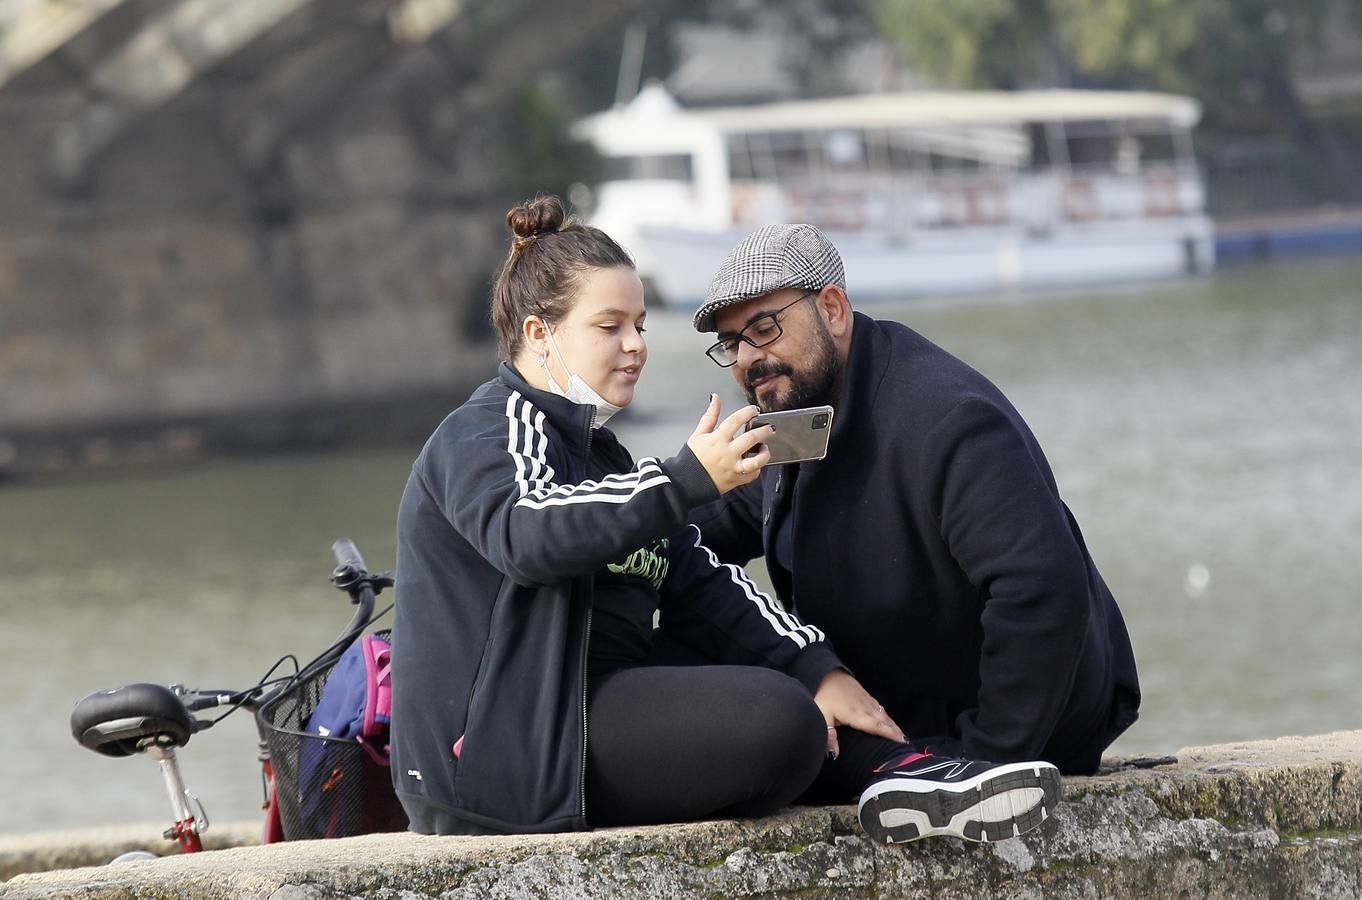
{"x":533,"y":553}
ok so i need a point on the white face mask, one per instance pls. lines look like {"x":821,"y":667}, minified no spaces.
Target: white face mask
{"x":578,"y":391}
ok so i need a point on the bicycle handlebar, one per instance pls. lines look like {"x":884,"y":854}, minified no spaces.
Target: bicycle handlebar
{"x":117,"y":722}
{"x":349,"y":564}
{"x":346,"y":553}
{"x":351,"y":576}
{"x":198,"y":699}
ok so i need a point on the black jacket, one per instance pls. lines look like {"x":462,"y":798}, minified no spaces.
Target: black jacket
{"x":931,"y":545}
{"x":499,"y":536}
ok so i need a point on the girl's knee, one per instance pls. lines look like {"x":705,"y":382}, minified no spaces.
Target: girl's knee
{"x":794,"y":724}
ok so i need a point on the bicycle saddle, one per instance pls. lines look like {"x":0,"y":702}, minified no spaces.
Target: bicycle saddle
{"x":120,"y":722}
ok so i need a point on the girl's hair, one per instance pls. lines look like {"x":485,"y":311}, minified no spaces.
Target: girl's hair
{"x":543,"y":271}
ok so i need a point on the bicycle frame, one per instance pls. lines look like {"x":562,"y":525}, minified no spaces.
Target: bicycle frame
{"x":273,"y":831}
{"x":188,"y":825}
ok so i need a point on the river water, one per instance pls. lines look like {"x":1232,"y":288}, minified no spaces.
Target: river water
{"x":1206,"y":433}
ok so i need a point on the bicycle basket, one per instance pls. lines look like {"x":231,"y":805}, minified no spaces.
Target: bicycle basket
{"x":324,"y":787}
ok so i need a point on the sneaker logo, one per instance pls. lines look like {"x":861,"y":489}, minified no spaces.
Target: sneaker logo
{"x":911,"y":757}
{"x":948,"y":770}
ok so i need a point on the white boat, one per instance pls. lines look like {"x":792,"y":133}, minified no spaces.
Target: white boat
{"x":922,"y":192}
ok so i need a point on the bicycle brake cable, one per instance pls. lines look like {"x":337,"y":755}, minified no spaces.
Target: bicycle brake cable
{"x":265,"y":682}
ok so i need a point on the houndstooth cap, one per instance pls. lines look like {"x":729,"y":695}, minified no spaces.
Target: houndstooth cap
{"x":771,"y":258}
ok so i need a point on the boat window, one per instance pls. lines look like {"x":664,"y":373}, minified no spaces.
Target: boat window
{"x":955,"y":149}
{"x":1122,"y":146}
{"x":739,"y":158}
{"x":789,"y":153}
{"x":1157,"y":148}
{"x":879,"y":152}
{"x":941,"y":162}
{"x":660,"y":166}
{"x":1040,"y":145}
{"x":904,"y":154}
{"x":844,"y":150}
{"x":1091,"y":144}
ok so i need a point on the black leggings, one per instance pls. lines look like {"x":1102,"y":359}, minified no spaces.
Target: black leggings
{"x":673,"y":743}
{"x":837,"y":780}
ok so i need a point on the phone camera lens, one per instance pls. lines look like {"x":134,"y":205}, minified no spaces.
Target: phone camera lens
{"x":820,"y":421}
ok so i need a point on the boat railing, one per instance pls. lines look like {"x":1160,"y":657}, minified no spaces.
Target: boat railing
{"x":902,"y":204}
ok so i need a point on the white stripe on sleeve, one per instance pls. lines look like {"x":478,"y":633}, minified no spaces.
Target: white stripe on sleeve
{"x":528,"y":445}
{"x":770,"y":608}
{"x":512,"y":442}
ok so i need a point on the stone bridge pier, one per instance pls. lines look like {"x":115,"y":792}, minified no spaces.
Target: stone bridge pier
{"x":222,"y":218}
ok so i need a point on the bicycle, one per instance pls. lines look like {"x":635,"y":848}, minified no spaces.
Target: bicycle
{"x":157,"y":720}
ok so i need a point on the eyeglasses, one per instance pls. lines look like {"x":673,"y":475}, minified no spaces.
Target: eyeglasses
{"x":759,"y":332}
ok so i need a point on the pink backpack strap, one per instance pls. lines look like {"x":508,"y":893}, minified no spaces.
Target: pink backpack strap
{"x":378,"y":701}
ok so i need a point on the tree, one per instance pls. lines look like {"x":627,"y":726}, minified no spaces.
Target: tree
{"x":972,"y":43}
{"x":1235,"y":56}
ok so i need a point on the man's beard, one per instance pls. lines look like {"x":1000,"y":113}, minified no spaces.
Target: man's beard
{"x":812,"y":387}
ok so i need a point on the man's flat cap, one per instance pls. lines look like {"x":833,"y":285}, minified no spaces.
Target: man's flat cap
{"x":771,"y":258}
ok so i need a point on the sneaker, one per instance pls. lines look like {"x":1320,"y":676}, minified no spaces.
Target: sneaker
{"x":923,"y":795}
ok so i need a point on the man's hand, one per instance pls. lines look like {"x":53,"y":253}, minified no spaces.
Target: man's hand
{"x":843,"y":701}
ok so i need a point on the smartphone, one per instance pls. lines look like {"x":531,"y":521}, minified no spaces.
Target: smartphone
{"x":801,"y":434}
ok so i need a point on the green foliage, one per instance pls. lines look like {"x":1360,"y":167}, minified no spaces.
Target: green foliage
{"x":1226,"y":52}
{"x":543,"y":156}
{"x":1234,"y":55}
{"x":1135,"y":40}
{"x":970,"y":43}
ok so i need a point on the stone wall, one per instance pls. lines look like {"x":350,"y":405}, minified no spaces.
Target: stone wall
{"x":282,"y":209}
{"x":1264,"y":819}
{"x":171,"y":287}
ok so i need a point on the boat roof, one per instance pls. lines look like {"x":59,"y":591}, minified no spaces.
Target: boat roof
{"x":898,"y":110}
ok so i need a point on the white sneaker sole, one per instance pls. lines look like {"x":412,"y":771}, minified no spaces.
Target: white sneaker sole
{"x":995,"y":805}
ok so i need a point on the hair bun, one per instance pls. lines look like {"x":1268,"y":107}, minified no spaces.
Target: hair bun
{"x":544,"y":213}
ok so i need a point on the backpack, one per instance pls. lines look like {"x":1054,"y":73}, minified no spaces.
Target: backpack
{"x":344,"y":783}
{"x":357,"y":699}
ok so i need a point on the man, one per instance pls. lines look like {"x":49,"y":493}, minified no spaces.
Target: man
{"x":931,"y":544}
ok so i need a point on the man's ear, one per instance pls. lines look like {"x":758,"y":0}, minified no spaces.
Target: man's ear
{"x":835,"y":309}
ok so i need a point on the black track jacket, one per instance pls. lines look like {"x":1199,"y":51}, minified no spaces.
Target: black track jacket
{"x":498,"y":536}
{"x":931,"y":545}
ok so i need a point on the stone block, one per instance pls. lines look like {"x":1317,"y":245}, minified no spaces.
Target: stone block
{"x":1235,"y":820}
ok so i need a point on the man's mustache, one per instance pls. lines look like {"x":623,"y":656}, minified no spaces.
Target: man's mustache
{"x":766,"y":370}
